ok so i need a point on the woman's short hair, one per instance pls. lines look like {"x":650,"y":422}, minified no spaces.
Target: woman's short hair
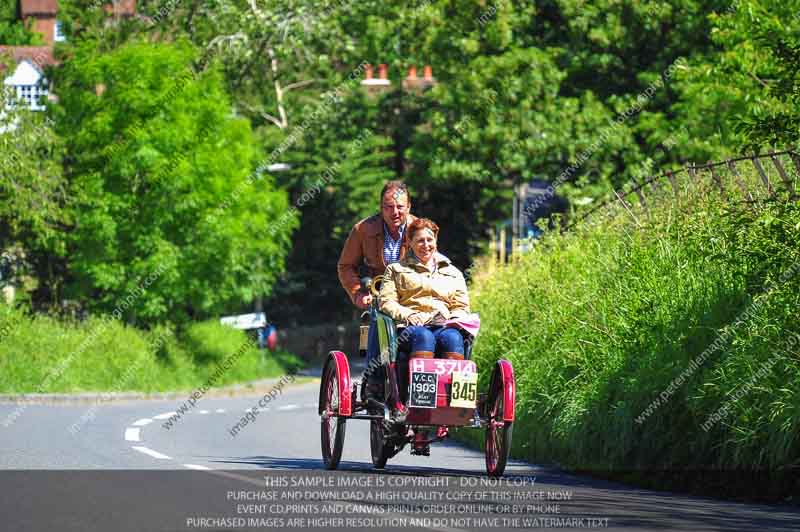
{"x":418,"y":225}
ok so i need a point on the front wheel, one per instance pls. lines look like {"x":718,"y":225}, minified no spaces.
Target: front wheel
{"x":498,"y":433}
{"x":332,"y":425}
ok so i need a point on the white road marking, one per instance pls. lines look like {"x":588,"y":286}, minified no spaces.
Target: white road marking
{"x":132,"y":434}
{"x":203,"y":412}
{"x":165,"y":415}
{"x":150,"y":452}
{"x":142,"y":422}
{"x":260,"y":484}
{"x":288,"y":407}
{"x":198,"y":467}
{"x":220,"y":410}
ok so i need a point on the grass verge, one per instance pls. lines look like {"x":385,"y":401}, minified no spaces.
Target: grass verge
{"x":658,"y":346}
{"x":39,"y":354}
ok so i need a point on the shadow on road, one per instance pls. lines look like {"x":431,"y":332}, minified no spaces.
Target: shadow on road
{"x":626,"y":507}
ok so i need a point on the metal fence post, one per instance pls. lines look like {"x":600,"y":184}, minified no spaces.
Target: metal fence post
{"x":739,"y":181}
{"x":716,"y":178}
{"x":502,"y":245}
{"x":784,"y":177}
{"x":672,"y":182}
{"x":641,"y":197}
{"x":493,"y":252}
{"x":763,"y":174}
{"x":795,"y":160}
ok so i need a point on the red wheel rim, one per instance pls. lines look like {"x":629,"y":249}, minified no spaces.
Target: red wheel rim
{"x":494,"y":440}
{"x":329,"y":420}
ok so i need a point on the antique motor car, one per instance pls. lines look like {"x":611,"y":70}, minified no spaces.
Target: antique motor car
{"x":419,"y":400}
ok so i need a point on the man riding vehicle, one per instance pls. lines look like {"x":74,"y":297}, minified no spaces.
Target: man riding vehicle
{"x":373,"y":244}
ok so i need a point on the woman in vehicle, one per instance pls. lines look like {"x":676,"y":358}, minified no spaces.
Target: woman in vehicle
{"x":422,"y":292}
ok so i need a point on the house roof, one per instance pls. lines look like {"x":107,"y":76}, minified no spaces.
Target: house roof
{"x":50,"y":7}
{"x":39,"y":56}
{"x":121,"y":7}
{"x":38,"y":7}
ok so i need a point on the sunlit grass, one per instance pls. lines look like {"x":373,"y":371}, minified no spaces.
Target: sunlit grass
{"x":598,"y":322}
{"x":43,"y":355}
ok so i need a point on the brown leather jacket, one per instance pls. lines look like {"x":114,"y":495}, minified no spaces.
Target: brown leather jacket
{"x":364,"y":245}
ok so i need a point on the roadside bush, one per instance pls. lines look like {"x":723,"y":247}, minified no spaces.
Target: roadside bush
{"x":600,"y":321}
{"x":212,"y":343}
{"x":40,"y":354}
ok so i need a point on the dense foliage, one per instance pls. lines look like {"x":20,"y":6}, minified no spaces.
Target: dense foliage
{"x":202,"y":155}
{"x":587,"y":95}
{"x":32,"y":189}
{"x":41,"y":354}
{"x":12,"y":29}
{"x":164,"y":186}
{"x":769,"y":35}
{"x":33,"y":199}
{"x":629,"y":336}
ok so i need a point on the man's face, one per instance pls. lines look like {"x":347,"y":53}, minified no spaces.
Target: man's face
{"x":394,"y":209}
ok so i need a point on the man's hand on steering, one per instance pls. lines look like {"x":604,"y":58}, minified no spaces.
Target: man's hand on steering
{"x":363,"y":301}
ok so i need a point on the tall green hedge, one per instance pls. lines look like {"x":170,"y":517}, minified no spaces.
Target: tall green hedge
{"x":614,"y":317}
{"x":39,"y":354}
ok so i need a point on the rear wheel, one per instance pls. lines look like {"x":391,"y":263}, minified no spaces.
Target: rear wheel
{"x":378,"y":445}
{"x":498,"y":432}
{"x":332,"y":426}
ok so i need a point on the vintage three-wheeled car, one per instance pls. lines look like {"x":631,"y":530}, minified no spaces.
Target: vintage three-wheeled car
{"x":418,"y":401}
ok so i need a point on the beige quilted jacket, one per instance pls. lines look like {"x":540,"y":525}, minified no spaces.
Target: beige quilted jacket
{"x":410,"y":287}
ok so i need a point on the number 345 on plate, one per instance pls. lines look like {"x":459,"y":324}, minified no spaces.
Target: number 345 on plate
{"x":464,"y":389}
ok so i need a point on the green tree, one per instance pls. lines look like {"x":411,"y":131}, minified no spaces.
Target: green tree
{"x":504,"y":123}
{"x":33,"y":197}
{"x":289,"y":68}
{"x":588,"y":95}
{"x":338,"y":168}
{"x":165,"y":187}
{"x":12,"y":30}
{"x":747,"y":93}
{"x":31,"y":184}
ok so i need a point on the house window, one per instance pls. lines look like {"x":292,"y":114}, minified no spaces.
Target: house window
{"x":58,"y":34}
{"x":31,"y":96}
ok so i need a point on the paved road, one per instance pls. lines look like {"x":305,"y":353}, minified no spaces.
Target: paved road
{"x":138,"y":475}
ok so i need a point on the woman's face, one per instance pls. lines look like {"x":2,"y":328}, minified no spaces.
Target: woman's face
{"x":424,"y":245}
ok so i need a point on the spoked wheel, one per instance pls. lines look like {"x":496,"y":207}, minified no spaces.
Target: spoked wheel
{"x":498,"y":432}
{"x":333,"y":427}
{"x":377,"y":442}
